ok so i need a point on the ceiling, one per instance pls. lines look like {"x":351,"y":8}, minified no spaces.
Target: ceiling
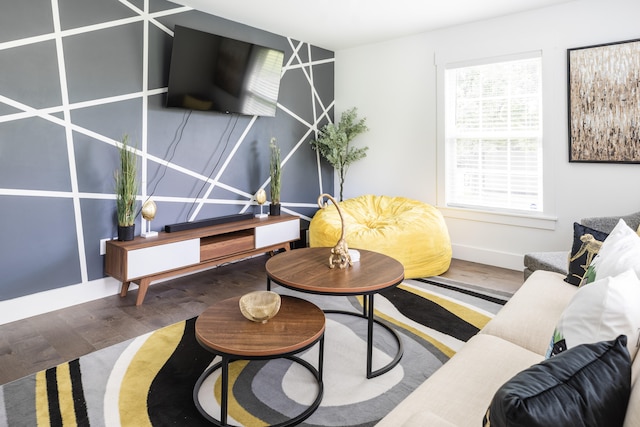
{"x":342,"y":24}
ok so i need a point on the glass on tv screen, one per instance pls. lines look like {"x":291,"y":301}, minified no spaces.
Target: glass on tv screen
{"x":215,"y":73}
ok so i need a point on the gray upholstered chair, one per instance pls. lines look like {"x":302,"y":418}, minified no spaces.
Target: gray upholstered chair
{"x":559,"y":261}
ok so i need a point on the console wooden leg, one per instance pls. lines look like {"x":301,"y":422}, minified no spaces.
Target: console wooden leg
{"x":124,"y":289}
{"x":142,"y":290}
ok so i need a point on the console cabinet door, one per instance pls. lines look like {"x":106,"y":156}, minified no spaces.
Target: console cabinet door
{"x":156,"y":259}
{"x":280,"y":232}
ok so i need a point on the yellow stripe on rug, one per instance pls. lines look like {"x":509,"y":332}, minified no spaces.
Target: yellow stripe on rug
{"x":42,"y":400}
{"x":235,"y":410}
{"x":141,"y":372}
{"x":448,"y":351}
{"x":65,"y":397}
{"x":467,"y":314}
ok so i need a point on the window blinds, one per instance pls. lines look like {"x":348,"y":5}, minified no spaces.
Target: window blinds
{"x":493,"y":132}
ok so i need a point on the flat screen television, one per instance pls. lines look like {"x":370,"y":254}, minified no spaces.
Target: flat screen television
{"x":215,"y":73}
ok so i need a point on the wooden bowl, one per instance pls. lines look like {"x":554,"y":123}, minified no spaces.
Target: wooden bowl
{"x":260,"y":306}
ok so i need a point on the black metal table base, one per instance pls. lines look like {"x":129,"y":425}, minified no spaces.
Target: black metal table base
{"x":367,"y":313}
{"x":224,"y":365}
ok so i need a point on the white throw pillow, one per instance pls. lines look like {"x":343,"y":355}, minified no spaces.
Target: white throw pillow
{"x":601,"y":311}
{"x":620,"y":251}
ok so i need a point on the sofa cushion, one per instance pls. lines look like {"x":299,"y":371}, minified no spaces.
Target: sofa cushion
{"x":588,"y":385}
{"x":619,"y":252}
{"x":600,"y":311}
{"x":530,"y":316}
{"x":460,"y":391}
{"x":586,"y":244}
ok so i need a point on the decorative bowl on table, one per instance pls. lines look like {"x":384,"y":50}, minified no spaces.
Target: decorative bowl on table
{"x":260,"y":306}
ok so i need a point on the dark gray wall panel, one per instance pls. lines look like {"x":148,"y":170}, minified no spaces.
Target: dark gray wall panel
{"x":159,"y":56}
{"x":167,"y":182}
{"x":33,"y":156}
{"x":104,"y":63}
{"x":99,"y":161}
{"x":113,"y":119}
{"x":30,"y":74}
{"x":81,"y":13}
{"x":98,"y":222}
{"x":5,"y":110}
{"x":40,"y":250}
{"x":25,"y":18}
{"x":157,"y":5}
{"x":323,"y":81}
{"x":107,"y":61}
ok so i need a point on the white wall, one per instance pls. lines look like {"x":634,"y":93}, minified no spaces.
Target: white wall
{"x":394,"y":85}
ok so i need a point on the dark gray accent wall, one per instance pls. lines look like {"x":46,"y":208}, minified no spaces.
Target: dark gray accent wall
{"x":63,"y":106}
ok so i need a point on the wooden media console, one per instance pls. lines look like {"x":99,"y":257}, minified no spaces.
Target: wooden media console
{"x":142,"y":261}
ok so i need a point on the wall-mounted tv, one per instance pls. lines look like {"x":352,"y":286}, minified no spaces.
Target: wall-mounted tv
{"x":215,"y":73}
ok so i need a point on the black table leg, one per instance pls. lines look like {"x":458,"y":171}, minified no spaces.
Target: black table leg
{"x":224,"y":404}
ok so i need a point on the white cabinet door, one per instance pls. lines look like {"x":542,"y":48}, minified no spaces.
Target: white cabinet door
{"x":156,"y":259}
{"x":280,"y":232}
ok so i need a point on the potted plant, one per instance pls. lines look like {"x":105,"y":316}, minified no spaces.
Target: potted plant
{"x":333,"y":143}
{"x":126,"y":184}
{"x":274,"y":170}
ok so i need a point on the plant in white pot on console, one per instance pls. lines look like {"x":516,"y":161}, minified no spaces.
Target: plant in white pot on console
{"x":274,"y":170}
{"x":334,"y":141}
{"x":126,"y":183}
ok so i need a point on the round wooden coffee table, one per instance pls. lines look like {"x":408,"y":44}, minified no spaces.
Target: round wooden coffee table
{"x":224,"y":331}
{"x":307,"y":270}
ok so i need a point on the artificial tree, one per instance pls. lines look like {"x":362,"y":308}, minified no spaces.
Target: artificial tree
{"x":126,"y":183}
{"x":333,"y":143}
{"x":274,"y":169}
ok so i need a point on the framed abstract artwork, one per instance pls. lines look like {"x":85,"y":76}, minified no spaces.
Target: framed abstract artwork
{"x":604,"y":103}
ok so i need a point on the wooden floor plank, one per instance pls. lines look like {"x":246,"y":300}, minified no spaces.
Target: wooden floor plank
{"x":43,"y":341}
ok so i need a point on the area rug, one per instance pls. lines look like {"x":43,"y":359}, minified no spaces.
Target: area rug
{"x":149,"y":380}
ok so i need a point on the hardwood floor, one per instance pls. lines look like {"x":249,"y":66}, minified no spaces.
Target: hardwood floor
{"x":43,"y":341}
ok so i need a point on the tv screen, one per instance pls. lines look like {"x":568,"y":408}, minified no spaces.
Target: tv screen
{"x":216,"y":73}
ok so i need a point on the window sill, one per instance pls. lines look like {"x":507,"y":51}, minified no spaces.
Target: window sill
{"x":532,"y":220}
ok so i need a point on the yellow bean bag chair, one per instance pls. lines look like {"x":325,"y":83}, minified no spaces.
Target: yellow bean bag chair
{"x":410,"y":231}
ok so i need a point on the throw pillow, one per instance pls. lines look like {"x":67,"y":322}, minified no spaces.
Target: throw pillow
{"x":619,"y":252}
{"x":586,"y":244}
{"x":600,"y":311}
{"x":588,"y":385}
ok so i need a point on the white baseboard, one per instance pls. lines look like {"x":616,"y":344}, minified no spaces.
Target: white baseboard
{"x":55,"y":299}
{"x":483,"y":256}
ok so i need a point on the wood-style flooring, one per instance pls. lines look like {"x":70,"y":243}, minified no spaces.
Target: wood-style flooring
{"x":43,"y":341}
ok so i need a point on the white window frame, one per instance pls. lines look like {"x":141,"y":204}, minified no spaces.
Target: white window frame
{"x":540,"y":219}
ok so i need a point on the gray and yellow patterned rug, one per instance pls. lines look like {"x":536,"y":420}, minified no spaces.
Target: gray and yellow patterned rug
{"x":149,"y":380}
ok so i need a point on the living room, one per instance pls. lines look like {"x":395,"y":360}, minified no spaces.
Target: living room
{"x":56,"y":183}
{"x":409,"y":133}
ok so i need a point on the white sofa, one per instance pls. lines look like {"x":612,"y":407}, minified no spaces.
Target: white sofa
{"x":459,"y":393}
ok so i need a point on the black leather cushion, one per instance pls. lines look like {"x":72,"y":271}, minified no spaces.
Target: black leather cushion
{"x":582,"y":252}
{"x":588,"y":385}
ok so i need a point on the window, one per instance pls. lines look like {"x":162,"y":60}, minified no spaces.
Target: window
{"x":493,"y":135}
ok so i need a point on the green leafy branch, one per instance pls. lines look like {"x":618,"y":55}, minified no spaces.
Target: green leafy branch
{"x":334,"y":142}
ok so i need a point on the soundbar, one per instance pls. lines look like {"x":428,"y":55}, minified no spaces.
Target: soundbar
{"x":206,"y":222}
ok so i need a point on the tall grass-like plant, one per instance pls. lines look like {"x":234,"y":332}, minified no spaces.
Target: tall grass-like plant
{"x":334,"y":142}
{"x":274,"y":170}
{"x":126,"y":184}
